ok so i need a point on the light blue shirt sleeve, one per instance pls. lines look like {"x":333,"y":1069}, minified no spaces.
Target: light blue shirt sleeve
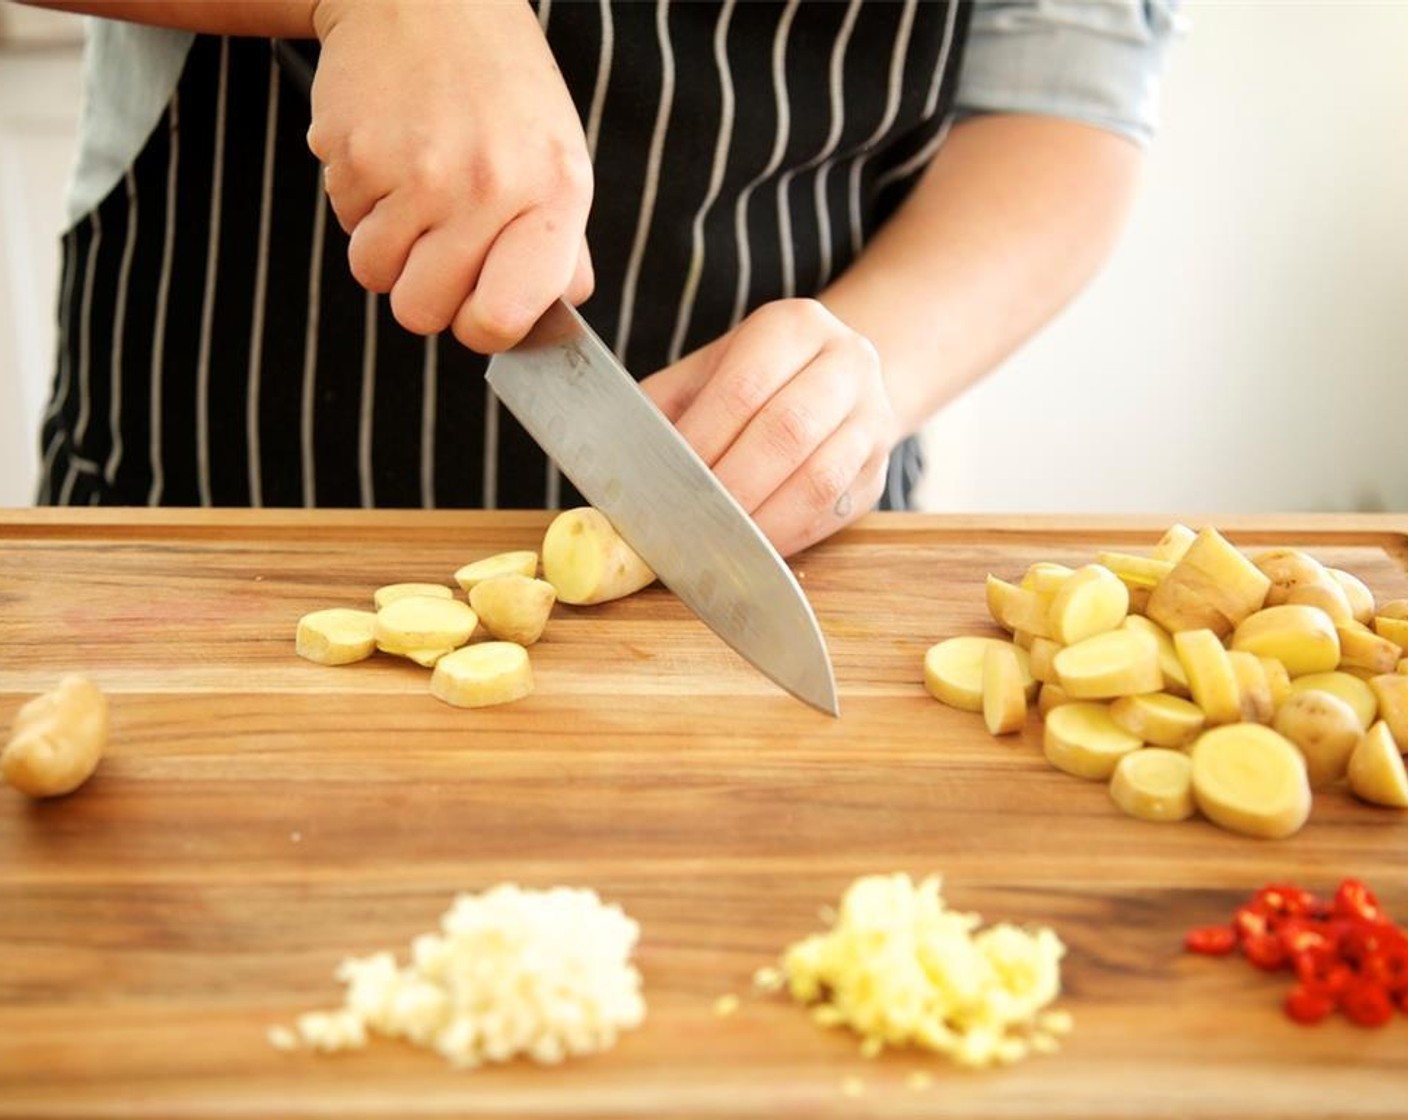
{"x":1095,"y":61}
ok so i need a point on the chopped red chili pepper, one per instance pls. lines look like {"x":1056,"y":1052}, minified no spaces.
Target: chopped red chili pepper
{"x":1212,"y":941}
{"x":1366,"y":1004}
{"x":1354,"y":900}
{"x":1265,"y":952}
{"x":1346,"y":954}
{"x":1306,"y":1005}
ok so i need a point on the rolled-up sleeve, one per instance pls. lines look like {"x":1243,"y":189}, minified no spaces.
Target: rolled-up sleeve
{"x":1100,"y":62}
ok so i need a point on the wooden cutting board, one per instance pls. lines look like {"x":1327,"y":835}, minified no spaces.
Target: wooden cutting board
{"x":258,"y":818}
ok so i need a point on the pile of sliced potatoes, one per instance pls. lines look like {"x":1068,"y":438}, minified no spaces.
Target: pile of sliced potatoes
{"x":1197,"y":679}
{"x":584,"y":562}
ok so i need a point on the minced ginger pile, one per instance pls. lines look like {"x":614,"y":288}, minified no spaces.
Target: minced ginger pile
{"x":514,"y":971}
{"x":900,"y":969}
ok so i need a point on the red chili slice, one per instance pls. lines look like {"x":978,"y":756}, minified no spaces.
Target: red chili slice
{"x":1354,"y":900}
{"x":1265,"y":951}
{"x":1211,"y":941}
{"x":1305,"y":1005}
{"x":1366,"y":1004}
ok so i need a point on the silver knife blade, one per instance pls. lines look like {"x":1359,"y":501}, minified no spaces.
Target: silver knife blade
{"x":574,"y":398}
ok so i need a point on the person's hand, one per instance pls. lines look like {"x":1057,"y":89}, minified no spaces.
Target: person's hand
{"x":454,"y":157}
{"x":790,"y":411}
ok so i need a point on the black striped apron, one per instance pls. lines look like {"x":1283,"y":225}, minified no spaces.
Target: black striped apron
{"x":215,"y":350}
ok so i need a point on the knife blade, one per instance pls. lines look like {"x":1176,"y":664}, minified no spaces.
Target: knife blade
{"x":581,"y":406}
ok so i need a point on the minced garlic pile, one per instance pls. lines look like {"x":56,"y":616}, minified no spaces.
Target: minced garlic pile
{"x":900,"y":969}
{"x":542,"y":973}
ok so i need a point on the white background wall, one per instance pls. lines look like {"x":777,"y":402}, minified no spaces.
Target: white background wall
{"x":1245,"y":349}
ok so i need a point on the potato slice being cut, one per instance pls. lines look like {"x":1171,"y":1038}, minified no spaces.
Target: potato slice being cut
{"x":482,"y":675}
{"x":1251,"y":780}
{"x":586,"y":560}
{"x":336,"y":636}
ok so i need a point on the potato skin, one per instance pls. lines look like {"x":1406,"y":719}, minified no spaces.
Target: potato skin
{"x":57,"y":740}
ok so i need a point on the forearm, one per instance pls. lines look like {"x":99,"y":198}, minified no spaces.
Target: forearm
{"x":280,"y":19}
{"x":1011,"y":220}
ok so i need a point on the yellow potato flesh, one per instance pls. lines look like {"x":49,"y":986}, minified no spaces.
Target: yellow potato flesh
{"x":1175,"y":677}
{"x":1391,"y":691}
{"x":1115,"y":663}
{"x":1090,"y":601}
{"x":1213,"y":587}
{"x":521,"y":562}
{"x":1154,"y":784}
{"x":1004,"y":691}
{"x":1159,"y":718}
{"x":1250,"y":780}
{"x":482,"y":675}
{"x":1211,"y":677}
{"x":1324,"y":729}
{"x":1376,"y":771}
{"x":1081,"y":739}
{"x":384,"y":596}
{"x":423,"y":623}
{"x":1302,"y":638}
{"x":1363,"y":649}
{"x":336,"y":636}
{"x":1354,"y":691}
{"x":953,"y":670}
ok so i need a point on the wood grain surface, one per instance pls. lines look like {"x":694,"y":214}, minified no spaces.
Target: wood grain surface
{"x":259,"y":817}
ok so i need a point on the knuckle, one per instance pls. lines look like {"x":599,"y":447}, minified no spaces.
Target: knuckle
{"x":792,"y":431}
{"x":742,"y":395}
{"x":415,"y":315}
{"x":824,"y":483}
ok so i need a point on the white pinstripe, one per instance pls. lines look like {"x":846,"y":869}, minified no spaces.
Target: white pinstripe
{"x":85,"y":334}
{"x":163,"y":293}
{"x":119,"y":329}
{"x":779,"y":148}
{"x":366,"y":416}
{"x":828,"y":149}
{"x":308,"y":400}
{"x":722,"y":143}
{"x":892,"y":108}
{"x":429,"y":379}
{"x":212,"y":273}
{"x":917,"y":161}
{"x":261,"y":289}
{"x":652,"y":176}
{"x":65,"y":376}
{"x":837,"y":85}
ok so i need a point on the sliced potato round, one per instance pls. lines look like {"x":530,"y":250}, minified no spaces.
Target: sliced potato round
{"x":423,"y":623}
{"x":1391,"y":691}
{"x":1361,"y":648}
{"x":1278,"y":681}
{"x":1050,"y":696}
{"x":1159,"y":718}
{"x":1354,"y":691}
{"x":336,"y":636}
{"x":521,"y":562}
{"x":1042,"y":651}
{"x":1081,"y":739}
{"x":481,"y":675}
{"x":1302,"y":638}
{"x":1211,"y":677}
{"x":1249,"y":779}
{"x":1324,"y":729}
{"x":1175,"y":676}
{"x":1135,"y":571}
{"x":513,"y":608}
{"x":1115,"y":663}
{"x":1376,"y":771}
{"x":953,"y":670}
{"x":384,"y":596}
{"x":1154,"y":784}
{"x":1175,"y":542}
{"x":1090,"y":601}
{"x":1253,"y":688}
{"x":1004,"y":690}
{"x":1394,"y":629}
{"x":1361,"y":599}
{"x":1017,"y":608}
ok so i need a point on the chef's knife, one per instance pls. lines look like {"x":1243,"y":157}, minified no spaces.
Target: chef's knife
{"x":575,"y":399}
